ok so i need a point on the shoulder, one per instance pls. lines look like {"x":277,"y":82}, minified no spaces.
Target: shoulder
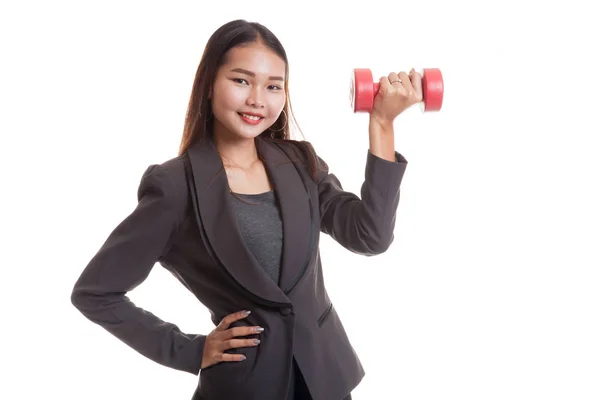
{"x":304,"y":151}
{"x":167,"y":181}
{"x":303,"y":154}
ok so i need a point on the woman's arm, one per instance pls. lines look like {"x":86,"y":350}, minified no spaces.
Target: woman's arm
{"x":124,"y":262}
{"x":365,"y":225}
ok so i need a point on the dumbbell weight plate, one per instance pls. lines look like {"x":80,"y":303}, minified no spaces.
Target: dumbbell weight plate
{"x":433,"y":89}
{"x":362,"y":90}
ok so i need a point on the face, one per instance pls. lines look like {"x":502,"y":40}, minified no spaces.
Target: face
{"x":248,"y":94}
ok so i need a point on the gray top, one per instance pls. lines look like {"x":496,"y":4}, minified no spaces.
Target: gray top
{"x":260,"y":224}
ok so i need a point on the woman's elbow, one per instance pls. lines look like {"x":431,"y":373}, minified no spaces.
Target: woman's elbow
{"x":372,"y":242}
{"x":78,"y":299}
{"x":85,"y":301}
{"x":377,"y":247}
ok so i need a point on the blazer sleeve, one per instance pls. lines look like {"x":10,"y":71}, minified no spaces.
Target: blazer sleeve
{"x":362,"y":225}
{"x":124,"y":262}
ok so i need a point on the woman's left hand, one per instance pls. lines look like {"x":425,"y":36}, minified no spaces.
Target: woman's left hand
{"x":397,"y":92}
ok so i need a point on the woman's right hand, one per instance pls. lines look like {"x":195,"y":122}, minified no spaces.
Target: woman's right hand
{"x":222,"y":338}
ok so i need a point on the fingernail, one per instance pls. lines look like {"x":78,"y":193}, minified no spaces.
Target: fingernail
{"x":243,"y":358}
{"x":260,"y":329}
{"x":256,"y":341}
{"x":247,"y":312}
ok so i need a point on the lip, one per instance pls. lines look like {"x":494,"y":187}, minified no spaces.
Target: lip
{"x":251,"y":121}
{"x":253,"y":114}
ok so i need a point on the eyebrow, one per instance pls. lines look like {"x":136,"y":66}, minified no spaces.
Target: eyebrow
{"x":245,"y":71}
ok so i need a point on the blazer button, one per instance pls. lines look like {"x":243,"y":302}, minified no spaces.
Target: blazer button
{"x":286,"y":311}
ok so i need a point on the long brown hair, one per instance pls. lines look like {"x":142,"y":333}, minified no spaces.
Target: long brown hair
{"x":199,"y":117}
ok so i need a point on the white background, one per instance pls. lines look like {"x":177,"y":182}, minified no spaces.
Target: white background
{"x":491,"y":288}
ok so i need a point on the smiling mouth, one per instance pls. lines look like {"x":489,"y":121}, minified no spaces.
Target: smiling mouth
{"x":250,"y":119}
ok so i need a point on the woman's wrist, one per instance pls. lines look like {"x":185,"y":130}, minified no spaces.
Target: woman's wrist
{"x":381,"y":138}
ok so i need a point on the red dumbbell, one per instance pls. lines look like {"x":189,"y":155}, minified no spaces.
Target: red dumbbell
{"x":363,"y":89}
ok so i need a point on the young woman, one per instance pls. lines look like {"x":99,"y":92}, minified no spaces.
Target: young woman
{"x":236,"y":217}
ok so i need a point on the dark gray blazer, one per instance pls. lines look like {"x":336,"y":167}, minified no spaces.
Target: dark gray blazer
{"x":184,"y":220}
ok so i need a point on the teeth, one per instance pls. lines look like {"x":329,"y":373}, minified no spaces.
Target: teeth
{"x":252,"y":117}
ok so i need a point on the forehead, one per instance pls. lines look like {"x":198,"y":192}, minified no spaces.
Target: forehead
{"x":256,"y":58}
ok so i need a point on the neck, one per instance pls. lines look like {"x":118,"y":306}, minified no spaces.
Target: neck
{"x":236,"y":152}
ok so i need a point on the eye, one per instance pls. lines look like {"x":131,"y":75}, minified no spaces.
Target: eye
{"x":239,"y":80}
{"x":275,"y":87}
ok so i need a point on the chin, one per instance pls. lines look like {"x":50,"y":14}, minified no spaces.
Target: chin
{"x":247,"y":135}
{"x":251,"y":131}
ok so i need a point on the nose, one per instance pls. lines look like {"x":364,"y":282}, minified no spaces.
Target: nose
{"x":255,"y":98}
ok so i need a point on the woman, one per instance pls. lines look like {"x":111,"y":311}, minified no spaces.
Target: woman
{"x":236,"y":217}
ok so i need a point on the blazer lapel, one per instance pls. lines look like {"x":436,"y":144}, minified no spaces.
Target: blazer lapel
{"x":295,"y":206}
{"x":220,"y":226}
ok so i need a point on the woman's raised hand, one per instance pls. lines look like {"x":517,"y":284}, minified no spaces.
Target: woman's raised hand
{"x":397,"y":92}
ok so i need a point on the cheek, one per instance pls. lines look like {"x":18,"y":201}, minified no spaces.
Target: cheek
{"x":227,"y":99}
{"x":276,"y":105}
